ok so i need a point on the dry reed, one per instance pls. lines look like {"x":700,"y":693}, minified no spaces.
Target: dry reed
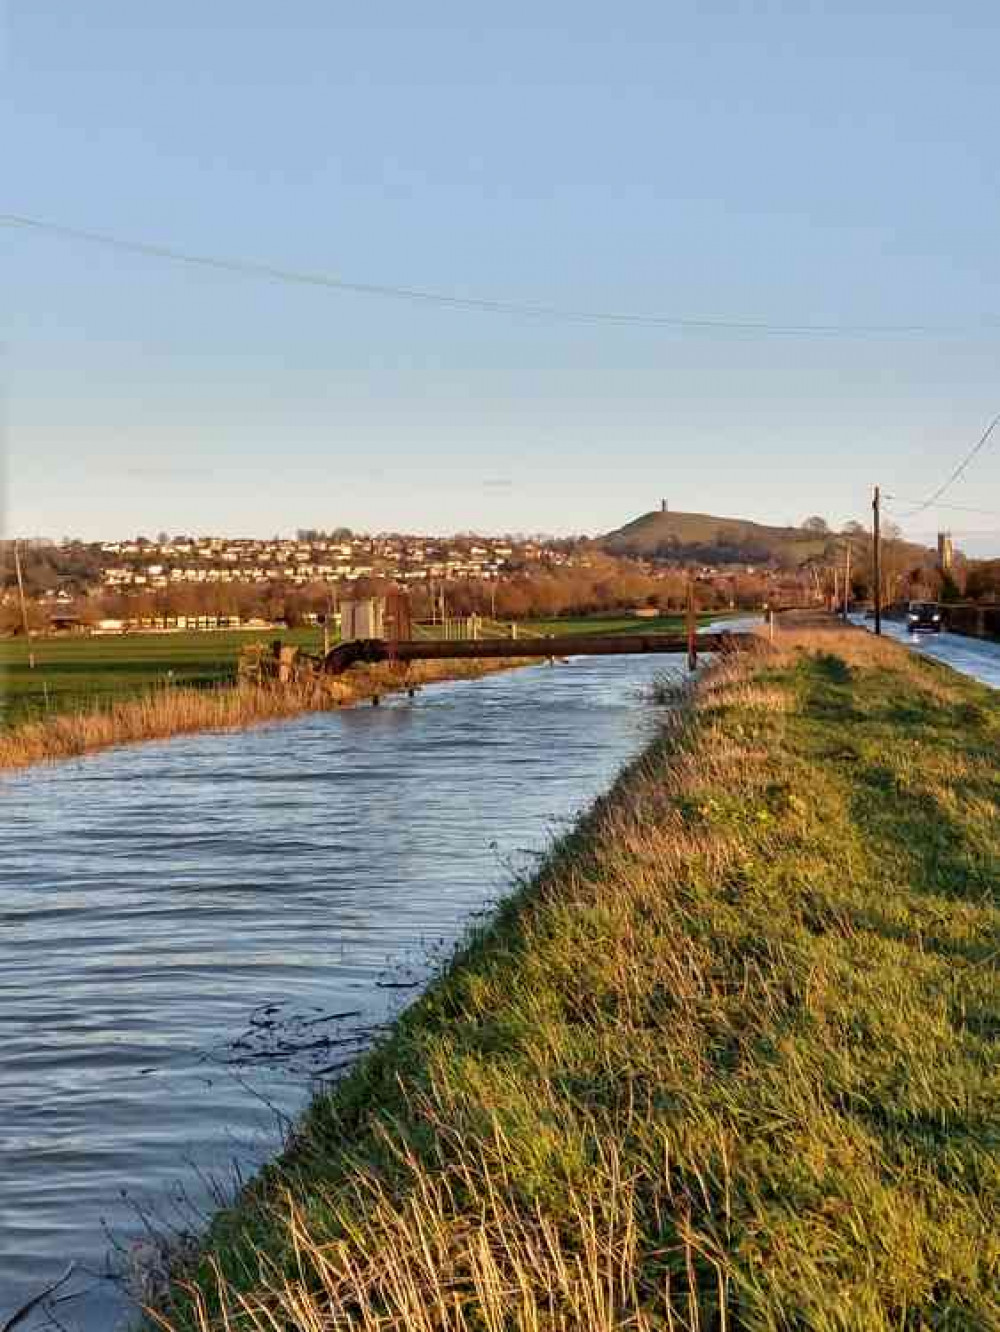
{"x":181,"y":710}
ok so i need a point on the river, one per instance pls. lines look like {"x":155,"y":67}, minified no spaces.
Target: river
{"x":182,"y":920}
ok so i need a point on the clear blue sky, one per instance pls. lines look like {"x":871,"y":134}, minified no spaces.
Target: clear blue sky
{"x":796,"y":163}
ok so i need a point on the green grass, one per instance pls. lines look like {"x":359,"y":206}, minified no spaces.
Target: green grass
{"x":619,"y":624}
{"x":75,"y":673}
{"x":730,"y":1061}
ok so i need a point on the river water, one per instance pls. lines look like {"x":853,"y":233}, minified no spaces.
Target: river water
{"x":181,"y":923}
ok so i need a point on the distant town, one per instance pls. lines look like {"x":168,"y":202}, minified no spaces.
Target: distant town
{"x":311,"y":556}
{"x":185,"y":581}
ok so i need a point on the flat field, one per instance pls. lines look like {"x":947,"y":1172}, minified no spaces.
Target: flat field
{"x":616,"y":624}
{"x":76,"y":673}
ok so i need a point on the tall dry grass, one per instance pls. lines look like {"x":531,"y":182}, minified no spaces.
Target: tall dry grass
{"x":409,"y":1266}
{"x":180,"y":710}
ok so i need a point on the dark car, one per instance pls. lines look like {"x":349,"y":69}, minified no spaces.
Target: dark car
{"x":923,"y":617}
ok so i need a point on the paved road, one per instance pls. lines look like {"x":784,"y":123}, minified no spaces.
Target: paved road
{"x":971,"y":656}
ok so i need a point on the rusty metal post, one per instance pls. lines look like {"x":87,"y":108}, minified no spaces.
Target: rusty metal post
{"x":877,"y":556}
{"x":692,"y":628}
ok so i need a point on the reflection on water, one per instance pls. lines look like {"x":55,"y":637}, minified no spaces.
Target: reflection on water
{"x":192,"y":931}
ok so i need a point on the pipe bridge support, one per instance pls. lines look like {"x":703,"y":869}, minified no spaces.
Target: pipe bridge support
{"x":373,"y":650}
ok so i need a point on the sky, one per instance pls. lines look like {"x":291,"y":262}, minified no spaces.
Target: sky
{"x":792,"y":164}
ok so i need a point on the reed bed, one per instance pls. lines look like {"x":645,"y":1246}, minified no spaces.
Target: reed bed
{"x":180,"y":710}
{"x":728,"y":1061}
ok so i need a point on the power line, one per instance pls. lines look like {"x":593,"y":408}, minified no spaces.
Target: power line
{"x":959,"y":508}
{"x":953,"y":477}
{"x":247,"y":268}
{"x":974,"y":532}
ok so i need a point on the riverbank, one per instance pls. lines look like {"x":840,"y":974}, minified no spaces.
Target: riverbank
{"x":180,"y":710}
{"x":729,"y":1061}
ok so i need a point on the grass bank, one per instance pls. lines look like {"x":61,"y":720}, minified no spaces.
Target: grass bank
{"x":156,"y":714}
{"x":730,"y":1061}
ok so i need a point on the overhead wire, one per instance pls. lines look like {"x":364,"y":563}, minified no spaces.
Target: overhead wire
{"x":299,"y":277}
{"x":987,"y":530}
{"x":958,"y":471}
{"x":959,"y":508}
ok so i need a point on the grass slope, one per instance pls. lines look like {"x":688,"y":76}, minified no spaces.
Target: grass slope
{"x":730,"y":1062}
{"x":703,"y":536}
{"x":702,"y":533}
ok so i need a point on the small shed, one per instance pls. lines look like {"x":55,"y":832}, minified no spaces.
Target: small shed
{"x":385,"y":616}
{"x":362,"y":618}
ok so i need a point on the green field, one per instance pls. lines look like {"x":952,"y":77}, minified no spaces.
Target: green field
{"x":76,"y":672}
{"x":618,"y":624}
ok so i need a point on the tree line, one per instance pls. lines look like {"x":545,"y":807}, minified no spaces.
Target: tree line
{"x":606,"y":584}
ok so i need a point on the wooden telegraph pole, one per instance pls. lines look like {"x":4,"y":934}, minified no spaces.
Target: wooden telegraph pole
{"x":24,"y":605}
{"x":847,"y":579}
{"x":877,"y":558}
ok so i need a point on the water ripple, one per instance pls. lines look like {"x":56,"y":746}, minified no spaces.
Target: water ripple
{"x":154,"y":899}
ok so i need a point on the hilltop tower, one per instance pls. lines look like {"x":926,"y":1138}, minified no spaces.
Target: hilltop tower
{"x":946,"y":551}
{"x":663,"y":506}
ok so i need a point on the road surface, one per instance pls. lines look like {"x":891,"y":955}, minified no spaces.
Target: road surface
{"x":971,"y":656}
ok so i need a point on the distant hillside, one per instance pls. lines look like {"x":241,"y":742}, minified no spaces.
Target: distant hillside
{"x":714,"y":540}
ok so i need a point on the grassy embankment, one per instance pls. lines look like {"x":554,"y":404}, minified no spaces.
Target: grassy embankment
{"x":729,"y":1062}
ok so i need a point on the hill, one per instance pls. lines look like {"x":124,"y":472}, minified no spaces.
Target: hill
{"x":714,"y":540}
